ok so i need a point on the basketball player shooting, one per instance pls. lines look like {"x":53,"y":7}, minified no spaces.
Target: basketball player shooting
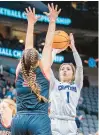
{"x":64,"y":95}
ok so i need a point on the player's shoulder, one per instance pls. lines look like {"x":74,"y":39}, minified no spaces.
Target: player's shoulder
{"x":58,"y":82}
{"x":73,"y":83}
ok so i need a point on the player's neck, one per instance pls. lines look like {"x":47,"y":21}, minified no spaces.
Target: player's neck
{"x":66,"y":81}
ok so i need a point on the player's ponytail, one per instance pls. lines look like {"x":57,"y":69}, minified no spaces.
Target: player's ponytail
{"x":29,"y":63}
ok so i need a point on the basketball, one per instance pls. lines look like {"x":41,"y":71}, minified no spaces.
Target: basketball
{"x":61,"y":40}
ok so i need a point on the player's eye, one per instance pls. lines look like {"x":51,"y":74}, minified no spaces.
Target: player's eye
{"x":68,"y":68}
{"x":62,"y":68}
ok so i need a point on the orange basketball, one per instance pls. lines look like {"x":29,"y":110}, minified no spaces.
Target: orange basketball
{"x":61,"y":40}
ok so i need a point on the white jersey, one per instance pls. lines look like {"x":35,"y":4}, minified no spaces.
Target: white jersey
{"x":64,"y":96}
{"x":64,"y":99}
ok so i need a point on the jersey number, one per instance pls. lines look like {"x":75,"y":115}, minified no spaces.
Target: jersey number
{"x":68,"y":97}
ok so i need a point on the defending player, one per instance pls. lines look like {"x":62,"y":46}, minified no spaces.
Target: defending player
{"x":32,"y":85}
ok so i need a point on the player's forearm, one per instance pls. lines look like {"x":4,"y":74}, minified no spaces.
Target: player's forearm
{"x":47,"y":51}
{"x":50,"y":34}
{"x":79,"y":69}
{"x":29,"y":36}
{"x":77,"y":57}
{"x":53,"y":56}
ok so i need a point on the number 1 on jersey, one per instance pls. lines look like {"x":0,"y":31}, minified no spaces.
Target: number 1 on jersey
{"x":68,"y":97}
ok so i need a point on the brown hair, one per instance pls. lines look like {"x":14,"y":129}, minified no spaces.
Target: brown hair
{"x":11,"y":104}
{"x":73,"y":69}
{"x":29,"y":62}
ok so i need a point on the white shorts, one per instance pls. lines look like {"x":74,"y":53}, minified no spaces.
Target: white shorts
{"x":63,"y":127}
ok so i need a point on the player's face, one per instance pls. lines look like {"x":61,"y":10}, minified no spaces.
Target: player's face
{"x":66,"y":73}
{"x":5,"y":109}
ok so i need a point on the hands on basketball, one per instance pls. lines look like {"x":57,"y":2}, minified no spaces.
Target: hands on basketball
{"x":53,"y":12}
{"x":71,"y":45}
{"x":31,"y":17}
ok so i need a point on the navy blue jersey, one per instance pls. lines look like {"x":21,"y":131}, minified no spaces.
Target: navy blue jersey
{"x":27,"y":100}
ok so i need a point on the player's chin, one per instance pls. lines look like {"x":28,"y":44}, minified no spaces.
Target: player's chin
{"x":65,"y":76}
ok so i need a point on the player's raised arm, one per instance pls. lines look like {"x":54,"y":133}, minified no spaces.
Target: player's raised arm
{"x":79,"y":66}
{"x":47,"y":51}
{"x":32,"y":19}
{"x":29,"y":43}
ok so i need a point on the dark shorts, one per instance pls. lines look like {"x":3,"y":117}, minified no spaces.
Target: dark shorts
{"x":31,"y":124}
